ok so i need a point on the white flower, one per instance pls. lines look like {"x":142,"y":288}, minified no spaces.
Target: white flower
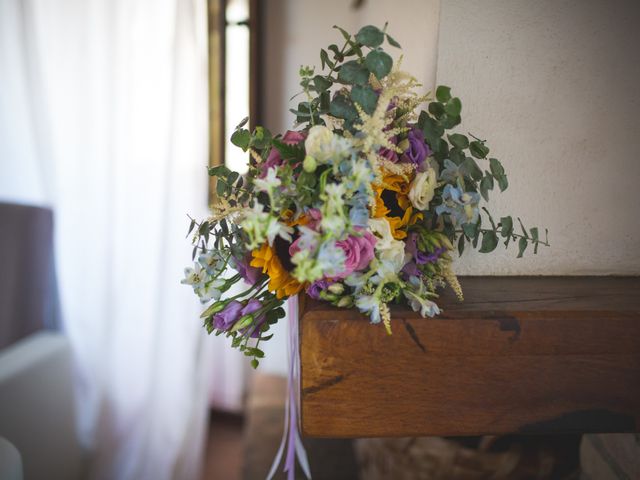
{"x":357,"y":281}
{"x":317,"y":139}
{"x":423,"y":188}
{"x":210,"y":291}
{"x":307,"y":268}
{"x":260,"y":226}
{"x":211,"y":261}
{"x":333,"y":224}
{"x":390,"y":251}
{"x":333,"y":194}
{"x":194,"y":276}
{"x":323,"y":145}
{"x":427,"y":307}
{"x":371,"y":305}
{"x":269,"y":182}
{"x":276,"y":228}
{"x":361,"y":173}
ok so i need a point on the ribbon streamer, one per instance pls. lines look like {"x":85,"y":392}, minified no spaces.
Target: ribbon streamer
{"x":291,"y":434}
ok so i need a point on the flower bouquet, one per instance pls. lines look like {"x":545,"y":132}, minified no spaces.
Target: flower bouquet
{"x":366,"y":203}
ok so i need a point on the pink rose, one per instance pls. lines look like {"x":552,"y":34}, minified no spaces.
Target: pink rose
{"x":358,"y":252}
{"x":292,"y":137}
{"x":274,"y":160}
{"x":315,"y":217}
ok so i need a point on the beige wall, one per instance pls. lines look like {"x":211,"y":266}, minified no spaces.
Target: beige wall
{"x":296,"y":30}
{"x":552,"y":85}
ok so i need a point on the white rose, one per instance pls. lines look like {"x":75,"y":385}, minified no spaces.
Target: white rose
{"x":423,"y":188}
{"x":317,"y":140}
{"x":390,"y":251}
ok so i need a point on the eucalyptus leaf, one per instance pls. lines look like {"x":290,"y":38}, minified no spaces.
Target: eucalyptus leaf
{"x":449,"y":121}
{"x":522,"y":246}
{"x":489,"y":241}
{"x":370,"y":36}
{"x":461,"y":245}
{"x":479,"y":149}
{"x":503,"y":183}
{"x":431,"y":128}
{"x":458,"y":140}
{"x":341,"y":107}
{"x":496,"y":167}
{"x":392,"y":41}
{"x":345,"y":34}
{"x":242,"y":123}
{"x":471,"y":166}
{"x":241,"y":138}
{"x":321,"y":83}
{"x":453,"y":107}
{"x":506,"y":224}
{"x":352,"y":72}
{"x":379,"y":63}
{"x":486,"y":184}
{"x":443,"y":93}
{"x":365,"y":97}
{"x":471,"y":229}
{"x":436,"y":109}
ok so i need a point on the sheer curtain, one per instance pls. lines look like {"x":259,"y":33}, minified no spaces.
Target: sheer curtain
{"x":103,"y":112}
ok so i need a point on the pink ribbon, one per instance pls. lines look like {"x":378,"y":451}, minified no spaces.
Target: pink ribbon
{"x":291,"y":434}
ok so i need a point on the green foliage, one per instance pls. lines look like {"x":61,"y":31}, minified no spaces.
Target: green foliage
{"x":506,"y":226}
{"x":370,"y":36}
{"x":379,"y":63}
{"x":351,"y":65}
{"x":392,"y":42}
{"x":458,"y":140}
{"x":443,"y":94}
{"x":240,"y":138}
{"x":342,"y":107}
{"x":365,"y":97}
{"x":478,"y":149}
{"x":354,"y":73}
{"x":489,"y":241}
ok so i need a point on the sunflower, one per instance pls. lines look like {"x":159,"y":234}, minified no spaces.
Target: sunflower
{"x":392,"y":203}
{"x":281,"y":282}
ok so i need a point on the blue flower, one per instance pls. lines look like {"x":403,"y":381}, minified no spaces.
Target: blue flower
{"x":359,"y":213}
{"x":461,"y":206}
{"x":451,"y":172}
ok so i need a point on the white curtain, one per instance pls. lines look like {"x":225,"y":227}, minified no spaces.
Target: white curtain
{"x":103,"y":116}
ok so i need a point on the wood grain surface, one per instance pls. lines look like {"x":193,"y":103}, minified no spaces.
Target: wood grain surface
{"x":520,"y":355}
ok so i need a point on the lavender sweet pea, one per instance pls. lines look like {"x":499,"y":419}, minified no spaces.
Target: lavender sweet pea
{"x":252,"y":306}
{"x":419,"y":256}
{"x":418,"y":149}
{"x":225,"y":319}
{"x":248,"y":273}
{"x":316,"y":288}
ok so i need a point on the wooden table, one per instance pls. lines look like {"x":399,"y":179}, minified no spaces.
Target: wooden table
{"x":520,"y":355}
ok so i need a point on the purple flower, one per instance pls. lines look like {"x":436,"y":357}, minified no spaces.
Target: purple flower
{"x":418,"y":256}
{"x":252,"y":306}
{"x":274,"y":160}
{"x":418,"y":149}
{"x":317,"y":287}
{"x":388,"y":153}
{"x":411,"y":270}
{"x":226,"y":318}
{"x":248,"y":273}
